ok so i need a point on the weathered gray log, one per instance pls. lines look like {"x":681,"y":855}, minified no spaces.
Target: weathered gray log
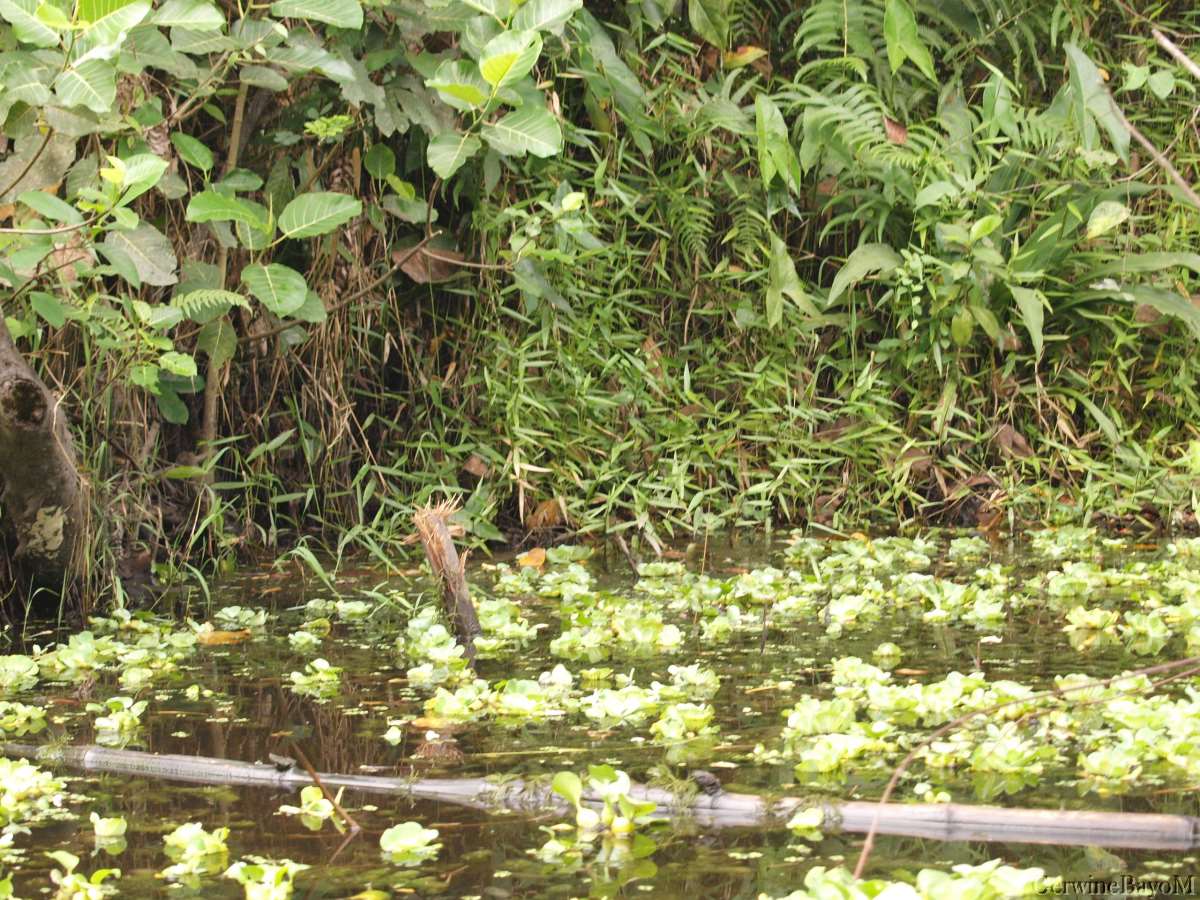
{"x":40,"y":490}
{"x":450,"y":571}
{"x":937,"y":821}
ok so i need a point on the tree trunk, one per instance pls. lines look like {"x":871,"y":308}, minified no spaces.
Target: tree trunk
{"x":41,"y":498}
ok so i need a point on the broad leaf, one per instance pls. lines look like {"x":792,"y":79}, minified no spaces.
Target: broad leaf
{"x":903,"y":38}
{"x":1031,"y":303}
{"x":192,"y":151}
{"x":460,"y":85}
{"x":279,"y":288}
{"x":213,"y":206}
{"x":448,"y":152}
{"x":530,"y":129}
{"x":27,"y":27}
{"x":149,"y":250}
{"x":710,"y":20}
{"x":1092,"y":99}
{"x":91,"y":83}
{"x":1165,"y":301}
{"x":317,"y":213}
{"x":862,"y":262}
{"x":775,"y":153}
{"x":141,"y":172}
{"x":217,"y":341}
{"x":545,"y":15}
{"x":784,"y":280}
{"x":198,"y":15}
{"x":509,"y":57}
{"x":1105,"y":217}
{"x":338,"y":13}
{"x":51,"y":207}
{"x":103,"y":38}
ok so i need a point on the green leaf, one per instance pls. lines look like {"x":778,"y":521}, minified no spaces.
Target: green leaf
{"x":1167,"y":302}
{"x":217,"y":341}
{"x":338,"y":13}
{"x":192,"y":151}
{"x":149,"y":250}
{"x":783,"y":280}
{"x":48,"y":307}
{"x":1032,"y":305}
{"x":280,"y":289}
{"x":448,"y":151}
{"x":568,"y":786}
{"x":142,"y":172}
{"x":460,"y":85}
{"x":775,"y":152}
{"x":51,"y":207}
{"x":197,"y":15}
{"x":530,"y":129}
{"x":509,"y":57}
{"x":380,"y":161}
{"x":710,"y":20}
{"x":1092,"y":99}
{"x":213,"y":206}
{"x":545,"y":15}
{"x":181,"y":364}
{"x":91,"y":83}
{"x":867,"y":259}
{"x":903,"y":38}
{"x":263,"y":77}
{"x":1105,"y":217}
{"x":497,"y":9}
{"x":27,"y":27}
{"x":312,"y":311}
{"x":103,"y":38}
{"x":205,"y":304}
{"x":317,"y":213}
{"x":1162,"y":83}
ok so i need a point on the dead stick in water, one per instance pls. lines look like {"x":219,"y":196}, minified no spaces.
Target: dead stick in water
{"x":936,"y":821}
{"x":449,"y":569}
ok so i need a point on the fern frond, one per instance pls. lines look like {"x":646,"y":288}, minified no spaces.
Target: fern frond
{"x":206,"y":304}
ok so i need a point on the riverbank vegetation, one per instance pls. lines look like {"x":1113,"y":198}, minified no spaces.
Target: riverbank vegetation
{"x":649,"y":268}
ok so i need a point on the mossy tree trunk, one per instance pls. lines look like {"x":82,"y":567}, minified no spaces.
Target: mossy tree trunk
{"x":42,"y":505}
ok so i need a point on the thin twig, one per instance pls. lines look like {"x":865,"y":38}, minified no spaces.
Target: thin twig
{"x":1163,"y":163}
{"x":1182,"y":58}
{"x":312,"y":773}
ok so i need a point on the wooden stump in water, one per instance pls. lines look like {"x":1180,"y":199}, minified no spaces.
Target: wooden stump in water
{"x":449,"y":569}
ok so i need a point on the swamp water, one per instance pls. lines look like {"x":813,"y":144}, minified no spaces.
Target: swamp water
{"x":870,"y":645}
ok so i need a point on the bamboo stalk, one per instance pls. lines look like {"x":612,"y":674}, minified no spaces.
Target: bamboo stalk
{"x":935,"y":821}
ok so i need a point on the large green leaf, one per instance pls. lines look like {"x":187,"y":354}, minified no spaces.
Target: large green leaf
{"x":27,"y":27}
{"x":149,"y":250}
{"x":530,"y":129}
{"x":460,"y":84}
{"x":784,"y":280}
{"x":775,"y":152}
{"x":903,"y":38}
{"x":198,"y":15}
{"x":448,"y":152}
{"x":317,"y":213}
{"x":862,"y":262}
{"x":1032,"y":304}
{"x":545,"y":15}
{"x":509,"y":57}
{"x":1092,"y":99}
{"x":218,"y":341}
{"x":91,"y":83}
{"x":1165,"y":301}
{"x":710,"y":20}
{"x":103,"y":38}
{"x":338,"y":13}
{"x":280,"y":289}
{"x":213,"y":206}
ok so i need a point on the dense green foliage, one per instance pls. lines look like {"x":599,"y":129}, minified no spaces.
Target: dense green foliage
{"x":688,"y":265}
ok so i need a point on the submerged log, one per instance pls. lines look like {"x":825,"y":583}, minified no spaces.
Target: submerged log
{"x":450,"y":571}
{"x":936,"y":821}
{"x":40,"y":489}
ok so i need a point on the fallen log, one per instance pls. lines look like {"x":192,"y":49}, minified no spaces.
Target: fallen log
{"x":936,"y":821}
{"x":450,"y":571}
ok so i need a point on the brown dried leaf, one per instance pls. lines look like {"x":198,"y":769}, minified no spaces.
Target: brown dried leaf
{"x":896,"y":133}
{"x":429,"y":264}
{"x":1012,"y":442}
{"x":546,"y":514}
{"x":476,"y":465}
